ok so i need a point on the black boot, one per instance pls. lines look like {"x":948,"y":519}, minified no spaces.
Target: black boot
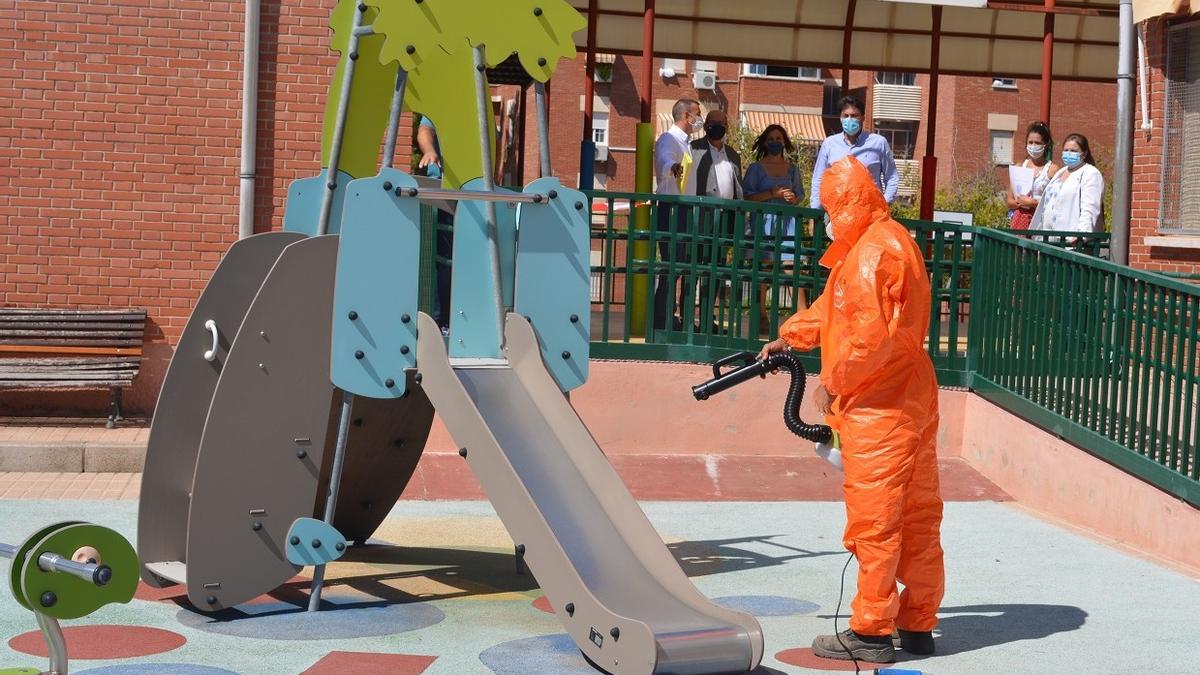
{"x":849,"y":645}
{"x":916,"y":642}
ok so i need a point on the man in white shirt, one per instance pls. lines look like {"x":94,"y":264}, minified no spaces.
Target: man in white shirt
{"x":716,"y":171}
{"x":669,"y":152}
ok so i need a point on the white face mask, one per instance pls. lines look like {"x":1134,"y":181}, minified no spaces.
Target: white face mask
{"x":697,"y":124}
{"x":1035,"y":151}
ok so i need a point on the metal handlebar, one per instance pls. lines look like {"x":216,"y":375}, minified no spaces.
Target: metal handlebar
{"x":52,"y":562}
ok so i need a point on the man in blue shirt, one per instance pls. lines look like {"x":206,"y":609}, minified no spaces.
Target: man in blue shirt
{"x":870,"y":149}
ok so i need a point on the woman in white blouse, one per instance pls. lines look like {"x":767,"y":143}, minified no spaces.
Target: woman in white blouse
{"x":1072,"y":200}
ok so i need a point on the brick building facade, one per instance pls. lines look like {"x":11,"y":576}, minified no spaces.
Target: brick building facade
{"x":119,"y":146}
{"x":1165,"y":226}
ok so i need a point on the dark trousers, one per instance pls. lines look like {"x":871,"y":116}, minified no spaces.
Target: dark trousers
{"x":712,"y":223}
{"x":444,"y":245}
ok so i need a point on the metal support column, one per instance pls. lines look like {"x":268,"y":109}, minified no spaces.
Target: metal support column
{"x":483,"y":108}
{"x":847,"y":35}
{"x":929,"y":161}
{"x":1123,"y":161}
{"x":542,"y":101}
{"x":1047,"y":60}
{"x":643,"y":180}
{"x":339,"y":124}
{"x":587,"y":146}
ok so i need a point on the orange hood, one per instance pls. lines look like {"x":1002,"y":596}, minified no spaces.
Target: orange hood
{"x":853,"y":202}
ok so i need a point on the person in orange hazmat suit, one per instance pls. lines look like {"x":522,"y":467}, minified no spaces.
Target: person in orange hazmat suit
{"x":879,"y":393}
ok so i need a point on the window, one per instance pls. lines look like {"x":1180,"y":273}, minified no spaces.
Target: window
{"x":1004,"y":83}
{"x":892,"y":77}
{"x":902,"y":136}
{"x":600,"y":128}
{"x":790,"y":72}
{"x":1179,"y":196}
{"x":830,"y":98}
{"x":603,"y":72}
{"x":1002,"y":147}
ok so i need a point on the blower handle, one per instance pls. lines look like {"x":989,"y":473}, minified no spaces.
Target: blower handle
{"x":752,"y":368}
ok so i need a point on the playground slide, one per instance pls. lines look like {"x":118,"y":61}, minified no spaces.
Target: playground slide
{"x":618,"y":591}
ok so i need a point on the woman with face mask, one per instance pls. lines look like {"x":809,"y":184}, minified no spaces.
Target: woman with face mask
{"x":1038,"y":157}
{"x":1073,"y":199}
{"x":773,"y":178}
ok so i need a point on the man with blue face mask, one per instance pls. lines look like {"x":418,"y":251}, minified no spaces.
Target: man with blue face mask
{"x":871,"y":149}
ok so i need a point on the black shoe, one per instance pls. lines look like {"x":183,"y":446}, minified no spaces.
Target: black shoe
{"x":916,"y":642}
{"x":849,"y":645}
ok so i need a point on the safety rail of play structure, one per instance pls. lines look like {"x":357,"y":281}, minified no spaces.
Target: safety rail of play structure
{"x":67,"y":571}
{"x":760,"y":275}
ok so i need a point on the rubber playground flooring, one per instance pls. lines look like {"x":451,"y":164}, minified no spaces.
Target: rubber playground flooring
{"x":1023,"y":596}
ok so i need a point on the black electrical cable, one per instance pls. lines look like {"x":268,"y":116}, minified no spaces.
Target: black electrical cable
{"x":836,"y":612}
{"x":817,"y":433}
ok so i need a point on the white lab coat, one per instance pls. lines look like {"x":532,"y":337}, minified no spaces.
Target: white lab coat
{"x":1071,"y":202}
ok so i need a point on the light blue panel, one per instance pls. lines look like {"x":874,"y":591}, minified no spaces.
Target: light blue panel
{"x":304,"y":533}
{"x":554,"y":278}
{"x":475,"y":329}
{"x":375,"y":293}
{"x":303,"y":209}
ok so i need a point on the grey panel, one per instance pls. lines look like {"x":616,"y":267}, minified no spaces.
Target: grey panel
{"x":382,"y":450}
{"x":187,"y":392}
{"x":589,"y":545}
{"x":273,"y":403}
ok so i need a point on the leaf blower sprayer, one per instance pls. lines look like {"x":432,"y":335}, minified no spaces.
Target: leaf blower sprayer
{"x":826,"y":440}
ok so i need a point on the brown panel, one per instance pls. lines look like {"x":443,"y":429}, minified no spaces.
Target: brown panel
{"x":186,"y":394}
{"x":382,"y":449}
{"x":53,"y":349}
{"x":265,"y":437}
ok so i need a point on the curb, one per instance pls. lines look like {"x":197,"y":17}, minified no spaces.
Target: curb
{"x":72,"y":457}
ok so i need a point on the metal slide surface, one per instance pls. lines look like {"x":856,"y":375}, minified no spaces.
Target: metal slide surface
{"x":584,"y":534}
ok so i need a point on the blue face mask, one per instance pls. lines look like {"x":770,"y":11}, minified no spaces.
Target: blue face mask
{"x":1071,"y":158}
{"x":851,"y":125}
{"x":775,"y":148}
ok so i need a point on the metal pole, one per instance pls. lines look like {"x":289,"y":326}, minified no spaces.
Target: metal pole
{"x":647,"y":60}
{"x":331,"y":495}
{"x":543,"y":122}
{"x":929,"y":161}
{"x":389,"y":143}
{"x":1047,"y":60}
{"x":52,"y":562}
{"x":246,"y":174}
{"x":587,"y":147}
{"x":483,"y":108}
{"x":848,"y":33}
{"x":339,"y":124}
{"x":1123,"y":161}
{"x":56,"y":644}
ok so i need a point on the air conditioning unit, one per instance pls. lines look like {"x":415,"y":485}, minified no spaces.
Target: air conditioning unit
{"x":704,"y":80}
{"x":601,"y":152}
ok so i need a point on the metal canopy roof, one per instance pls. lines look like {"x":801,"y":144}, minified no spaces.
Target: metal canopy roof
{"x":1002,"y":40}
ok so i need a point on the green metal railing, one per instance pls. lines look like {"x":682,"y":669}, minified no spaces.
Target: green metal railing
{"x":1102,"y":355}
{"x":1037,"y":322}
{"x":742,"y":276}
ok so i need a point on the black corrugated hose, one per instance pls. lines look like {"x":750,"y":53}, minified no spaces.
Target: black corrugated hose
{"x":753,"y":367}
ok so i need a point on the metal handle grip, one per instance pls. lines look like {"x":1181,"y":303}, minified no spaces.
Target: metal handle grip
{"x":53,"y":562}
{"x":211,"y":326}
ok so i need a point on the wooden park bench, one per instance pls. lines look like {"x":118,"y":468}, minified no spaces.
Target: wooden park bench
{"x":47,"y":349}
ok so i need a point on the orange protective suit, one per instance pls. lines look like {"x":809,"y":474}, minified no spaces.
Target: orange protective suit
{"x":871,"y":324}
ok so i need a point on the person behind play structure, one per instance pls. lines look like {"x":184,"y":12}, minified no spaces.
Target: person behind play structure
{"x":1074,"y":198}
{"x":1038,"y":157}
{"x":871,"y":149}
{"x":431,"y":162}
{"x":879,"y":393}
